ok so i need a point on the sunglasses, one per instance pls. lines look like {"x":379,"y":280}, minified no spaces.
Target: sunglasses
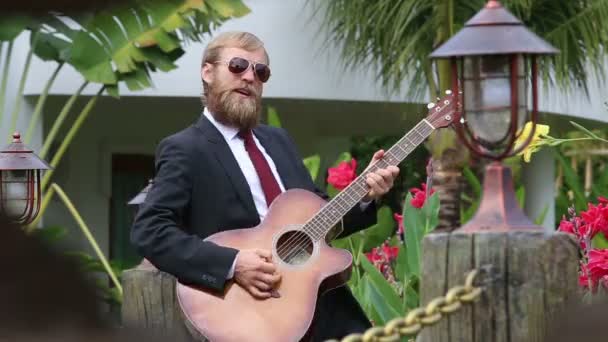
{"x":238,"y":65}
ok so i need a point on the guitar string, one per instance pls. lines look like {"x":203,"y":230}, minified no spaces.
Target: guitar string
{"x":297,"y":242}
{"x":300,"y":242}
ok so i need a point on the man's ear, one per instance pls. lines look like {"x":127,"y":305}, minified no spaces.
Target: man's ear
{"x":207,"y":73}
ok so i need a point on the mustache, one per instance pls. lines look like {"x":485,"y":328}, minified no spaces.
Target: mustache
{"x":248,"y":88}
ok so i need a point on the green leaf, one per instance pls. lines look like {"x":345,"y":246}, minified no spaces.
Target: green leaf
{"x":352,"y":243}
{"x":162,"y":60}
{"x":600,"y":241}
{"x":229,"y":8}
{"x":473,"y":181}
{"x":520,"y":195}
{"x":584,"y":130}
{"x":313,"y":164}
{"x":367,"y":300}
{"x":331,"y":191}
{"x":573,"y":182}
{"x":384,"y":228}
{"x":401,"y":268}
{"x":431,"y":213}
{"x":418,"y":223}
{"x":12,"y":25}
{"x":112,"y":90}
{"x":51,"y":48}
{"x":273,"y":117}
{"x":414,"y":231}
{"x":49,"y":234}
{"x":411,"y":299}
{"x":343,"y":157}
{"x":383,"y":295}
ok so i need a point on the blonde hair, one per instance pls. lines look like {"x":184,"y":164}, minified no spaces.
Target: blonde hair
{"x":238,"y":39}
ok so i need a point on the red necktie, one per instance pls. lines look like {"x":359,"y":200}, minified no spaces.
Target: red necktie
{"x":269,"y":183}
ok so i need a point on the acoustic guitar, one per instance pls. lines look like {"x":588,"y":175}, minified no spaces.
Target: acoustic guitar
{"x":295,"y":230}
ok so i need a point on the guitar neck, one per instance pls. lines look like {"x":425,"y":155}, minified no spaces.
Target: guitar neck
{"x":334,"y":210}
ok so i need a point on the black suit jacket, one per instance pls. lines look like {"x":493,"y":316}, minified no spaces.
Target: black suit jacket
{"x":199,"y":190}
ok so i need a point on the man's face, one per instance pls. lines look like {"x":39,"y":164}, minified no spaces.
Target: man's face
{"x":235,"y":99}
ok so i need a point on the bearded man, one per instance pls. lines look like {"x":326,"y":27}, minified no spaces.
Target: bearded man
{"x":222,"y":173}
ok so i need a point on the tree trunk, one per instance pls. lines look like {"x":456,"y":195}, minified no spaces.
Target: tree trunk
{"x":447,"y":181}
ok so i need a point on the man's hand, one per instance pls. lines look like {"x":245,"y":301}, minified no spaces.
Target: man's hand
{"x":255,"y":272}
{"x":381,"y":180}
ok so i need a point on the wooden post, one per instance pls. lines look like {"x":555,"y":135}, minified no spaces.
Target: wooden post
{"x":150,"y":304}
{"x":528,"y":278}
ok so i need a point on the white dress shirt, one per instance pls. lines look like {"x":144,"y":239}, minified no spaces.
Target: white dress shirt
{"x":237,"y":146}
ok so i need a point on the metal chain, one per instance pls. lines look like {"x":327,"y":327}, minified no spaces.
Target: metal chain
{"x":419,"y":318}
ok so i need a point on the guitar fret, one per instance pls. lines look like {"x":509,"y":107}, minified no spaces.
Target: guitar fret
{"x":319,"y":225}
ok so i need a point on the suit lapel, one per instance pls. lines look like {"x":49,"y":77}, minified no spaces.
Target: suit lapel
{"x":278,"y":155}
{"x":226,"y":159}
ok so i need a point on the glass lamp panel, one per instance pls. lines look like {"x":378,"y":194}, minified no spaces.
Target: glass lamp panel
{"x":15,"y":192}
{"x":487,"y":97}
{"x":523,"y":115}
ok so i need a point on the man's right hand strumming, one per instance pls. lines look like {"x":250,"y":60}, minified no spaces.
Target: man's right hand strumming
{"x":256,"y":273}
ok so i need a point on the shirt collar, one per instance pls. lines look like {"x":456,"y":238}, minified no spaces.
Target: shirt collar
{"x":227,"y":132}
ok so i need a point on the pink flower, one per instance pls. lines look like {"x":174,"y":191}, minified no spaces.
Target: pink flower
{"x":419,"y":196}
{"x":342,"y":175}
{"x":399,"y":219}
{"x":602,"y":200}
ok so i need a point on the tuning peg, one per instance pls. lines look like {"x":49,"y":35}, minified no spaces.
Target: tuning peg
{"x":448,"y":92}
{"x":462,"y":120}
{"x":430,"y":105}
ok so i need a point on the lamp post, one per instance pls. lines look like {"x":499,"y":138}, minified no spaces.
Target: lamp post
{"x":528,"y":275}
{"x":20,"y":170}
{"x":494,"y":68}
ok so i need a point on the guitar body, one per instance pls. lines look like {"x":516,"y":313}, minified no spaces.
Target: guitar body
{"x":237,"y":316}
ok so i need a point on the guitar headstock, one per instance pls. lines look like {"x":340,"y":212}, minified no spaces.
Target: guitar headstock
{"x":445,"y":111}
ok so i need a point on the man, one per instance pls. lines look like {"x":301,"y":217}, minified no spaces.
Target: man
{"x":222,"y":173}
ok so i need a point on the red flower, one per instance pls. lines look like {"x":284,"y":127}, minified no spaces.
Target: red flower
{"x":602,"y":200}
{"x":596,"y":220}
{"x":567,"y":226}
{"x":382,"y":256}
{"x":399,"y":219}
{"x":419,"y":196}
{"x":583,"y":280}
{"x":342,"y":175}
{"x":598,"y":264}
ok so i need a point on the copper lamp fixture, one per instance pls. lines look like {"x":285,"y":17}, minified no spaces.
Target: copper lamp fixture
{"x":20,"y":170}
{"x":495,"y":69}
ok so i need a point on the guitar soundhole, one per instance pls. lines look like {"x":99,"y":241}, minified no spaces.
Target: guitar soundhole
{"x":294,"y":247}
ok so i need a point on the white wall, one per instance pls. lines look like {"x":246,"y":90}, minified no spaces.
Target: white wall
{"x":302,"y":66}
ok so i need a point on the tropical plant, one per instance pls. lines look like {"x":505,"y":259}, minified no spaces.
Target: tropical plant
{"x":117,"y":45}
{"x":395,"y":39}
{"x":123,"y":44}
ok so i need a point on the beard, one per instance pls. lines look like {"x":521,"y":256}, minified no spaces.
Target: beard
{"x":232,"y":109}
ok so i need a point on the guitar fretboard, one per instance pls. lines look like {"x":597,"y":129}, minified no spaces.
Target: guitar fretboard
{"x":318,"y":226}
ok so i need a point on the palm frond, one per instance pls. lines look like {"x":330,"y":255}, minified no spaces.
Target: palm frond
{"x":396,"y":37}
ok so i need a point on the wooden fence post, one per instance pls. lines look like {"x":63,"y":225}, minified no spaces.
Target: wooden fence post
{"x":530,"y":276}
{"x":150,"y":304}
